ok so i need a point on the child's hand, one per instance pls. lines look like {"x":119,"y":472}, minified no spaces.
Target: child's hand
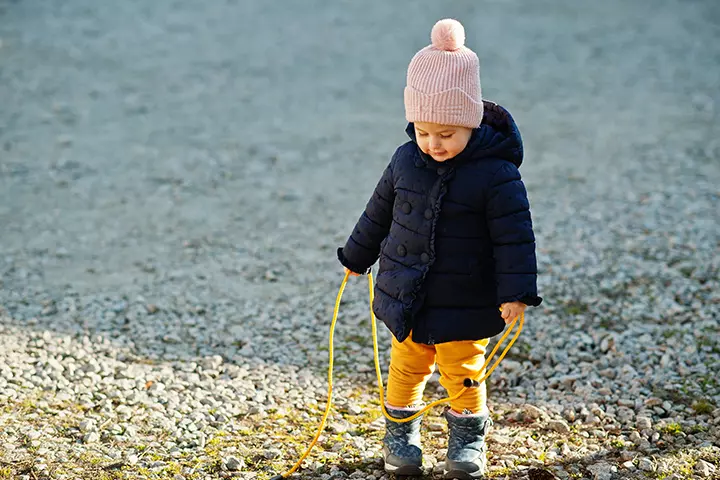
{"x":510,"y":311}
{"x":352,"y":274}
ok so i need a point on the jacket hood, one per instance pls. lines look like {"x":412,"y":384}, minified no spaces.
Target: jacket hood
{"x":496,"y":137}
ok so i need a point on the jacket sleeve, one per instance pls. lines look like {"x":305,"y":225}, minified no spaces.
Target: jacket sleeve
{"x":512,"y":236}
{"x":362,"y":249}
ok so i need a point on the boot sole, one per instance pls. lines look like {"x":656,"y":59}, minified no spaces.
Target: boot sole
{"x":404,"y":471}
{"x":461,"y":475}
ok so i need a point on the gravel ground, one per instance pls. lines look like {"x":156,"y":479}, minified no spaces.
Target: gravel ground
{"x":175,"y":177}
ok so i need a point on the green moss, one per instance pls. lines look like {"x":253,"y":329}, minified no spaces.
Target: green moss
{"x":114,"y":475}
{"x":172,"y":468}
{"x":672,"y":332}
{"x":687,"y":271}
{"x":500,"y":472}
{"x":703,"y":406}
{"x":576,"y":307}
{"x":617,"y":443}
{"x":671,"y":429}
{"x":6,"y":473}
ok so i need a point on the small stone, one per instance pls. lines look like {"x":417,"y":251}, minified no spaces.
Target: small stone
{"x":607,"y":344}
{"x":540,"y":474}
{"x":646,"y":464}
{"x":132,"y":459}
{"x":592,"y":420}
{"x":91,"y":437}
{"x":559,"y":426}
{"x":33,"y":434}
{"x":602,"y":471}
{"x":212,"y":363}
{"x":705,"y":469}
{"x":272,"y":453}
{"x":653,"y":402}
{"x":436,"y":427}
{"x":500,"y":439}
{"x":233,"y":464}
{"x":626,"y":455}
{"x":628,"y":465}
{"x":643,"y":423}
{"x":531,"y":411}
{"x":337,"y":427}
{"x":569,"y":414}
{"x":354,"y":410}
{"x":87,"y":425}
{"x":201,"y":440}
{"x":151,"y":308}
{"x":119,"y":307}
{"x":55,"y":365}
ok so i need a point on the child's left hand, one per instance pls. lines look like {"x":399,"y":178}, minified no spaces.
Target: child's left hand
{"x":510,"y":311}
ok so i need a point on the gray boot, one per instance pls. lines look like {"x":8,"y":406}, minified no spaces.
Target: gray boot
{"x":466,"y":456}
{"x":401,"y":445}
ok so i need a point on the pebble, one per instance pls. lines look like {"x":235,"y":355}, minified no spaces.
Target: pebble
{"x":87,"y":425}
{"x":627,"y":455}
{"x":705,"y":469}
{"x":643,"y":423}
{"x":531,"y":411}
{"x":602,"y":471}
{"x":559,"y":426}
{"x":233,"y":464}
{"x":436,"y":427}
{"x":272,"y":453}
{"x":646,"y":464}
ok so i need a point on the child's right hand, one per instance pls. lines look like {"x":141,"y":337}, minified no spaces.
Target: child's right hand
{"x":352,"y":274}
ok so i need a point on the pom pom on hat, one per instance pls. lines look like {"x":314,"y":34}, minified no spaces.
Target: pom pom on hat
{"x":448,"y":34}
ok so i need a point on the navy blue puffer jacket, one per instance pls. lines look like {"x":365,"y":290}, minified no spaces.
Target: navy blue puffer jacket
{"x":454,"y":238}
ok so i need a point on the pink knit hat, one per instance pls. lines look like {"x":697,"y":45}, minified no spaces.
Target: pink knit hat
{"x":443,"y":80}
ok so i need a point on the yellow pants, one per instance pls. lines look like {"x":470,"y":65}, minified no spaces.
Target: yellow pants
{"x":411,"y":365}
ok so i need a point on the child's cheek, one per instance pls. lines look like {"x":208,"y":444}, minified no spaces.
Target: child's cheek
{"x":423,"y":145}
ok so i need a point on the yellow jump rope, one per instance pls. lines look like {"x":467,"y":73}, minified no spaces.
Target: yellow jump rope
{"x":469,"y":382}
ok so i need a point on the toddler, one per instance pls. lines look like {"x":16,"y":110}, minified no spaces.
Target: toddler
{"x":450,"y":224}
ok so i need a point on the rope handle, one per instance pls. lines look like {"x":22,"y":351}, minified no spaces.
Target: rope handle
{"x":469,"y":382}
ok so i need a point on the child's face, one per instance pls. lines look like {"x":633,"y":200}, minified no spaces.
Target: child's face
{"x":441,"y":142}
